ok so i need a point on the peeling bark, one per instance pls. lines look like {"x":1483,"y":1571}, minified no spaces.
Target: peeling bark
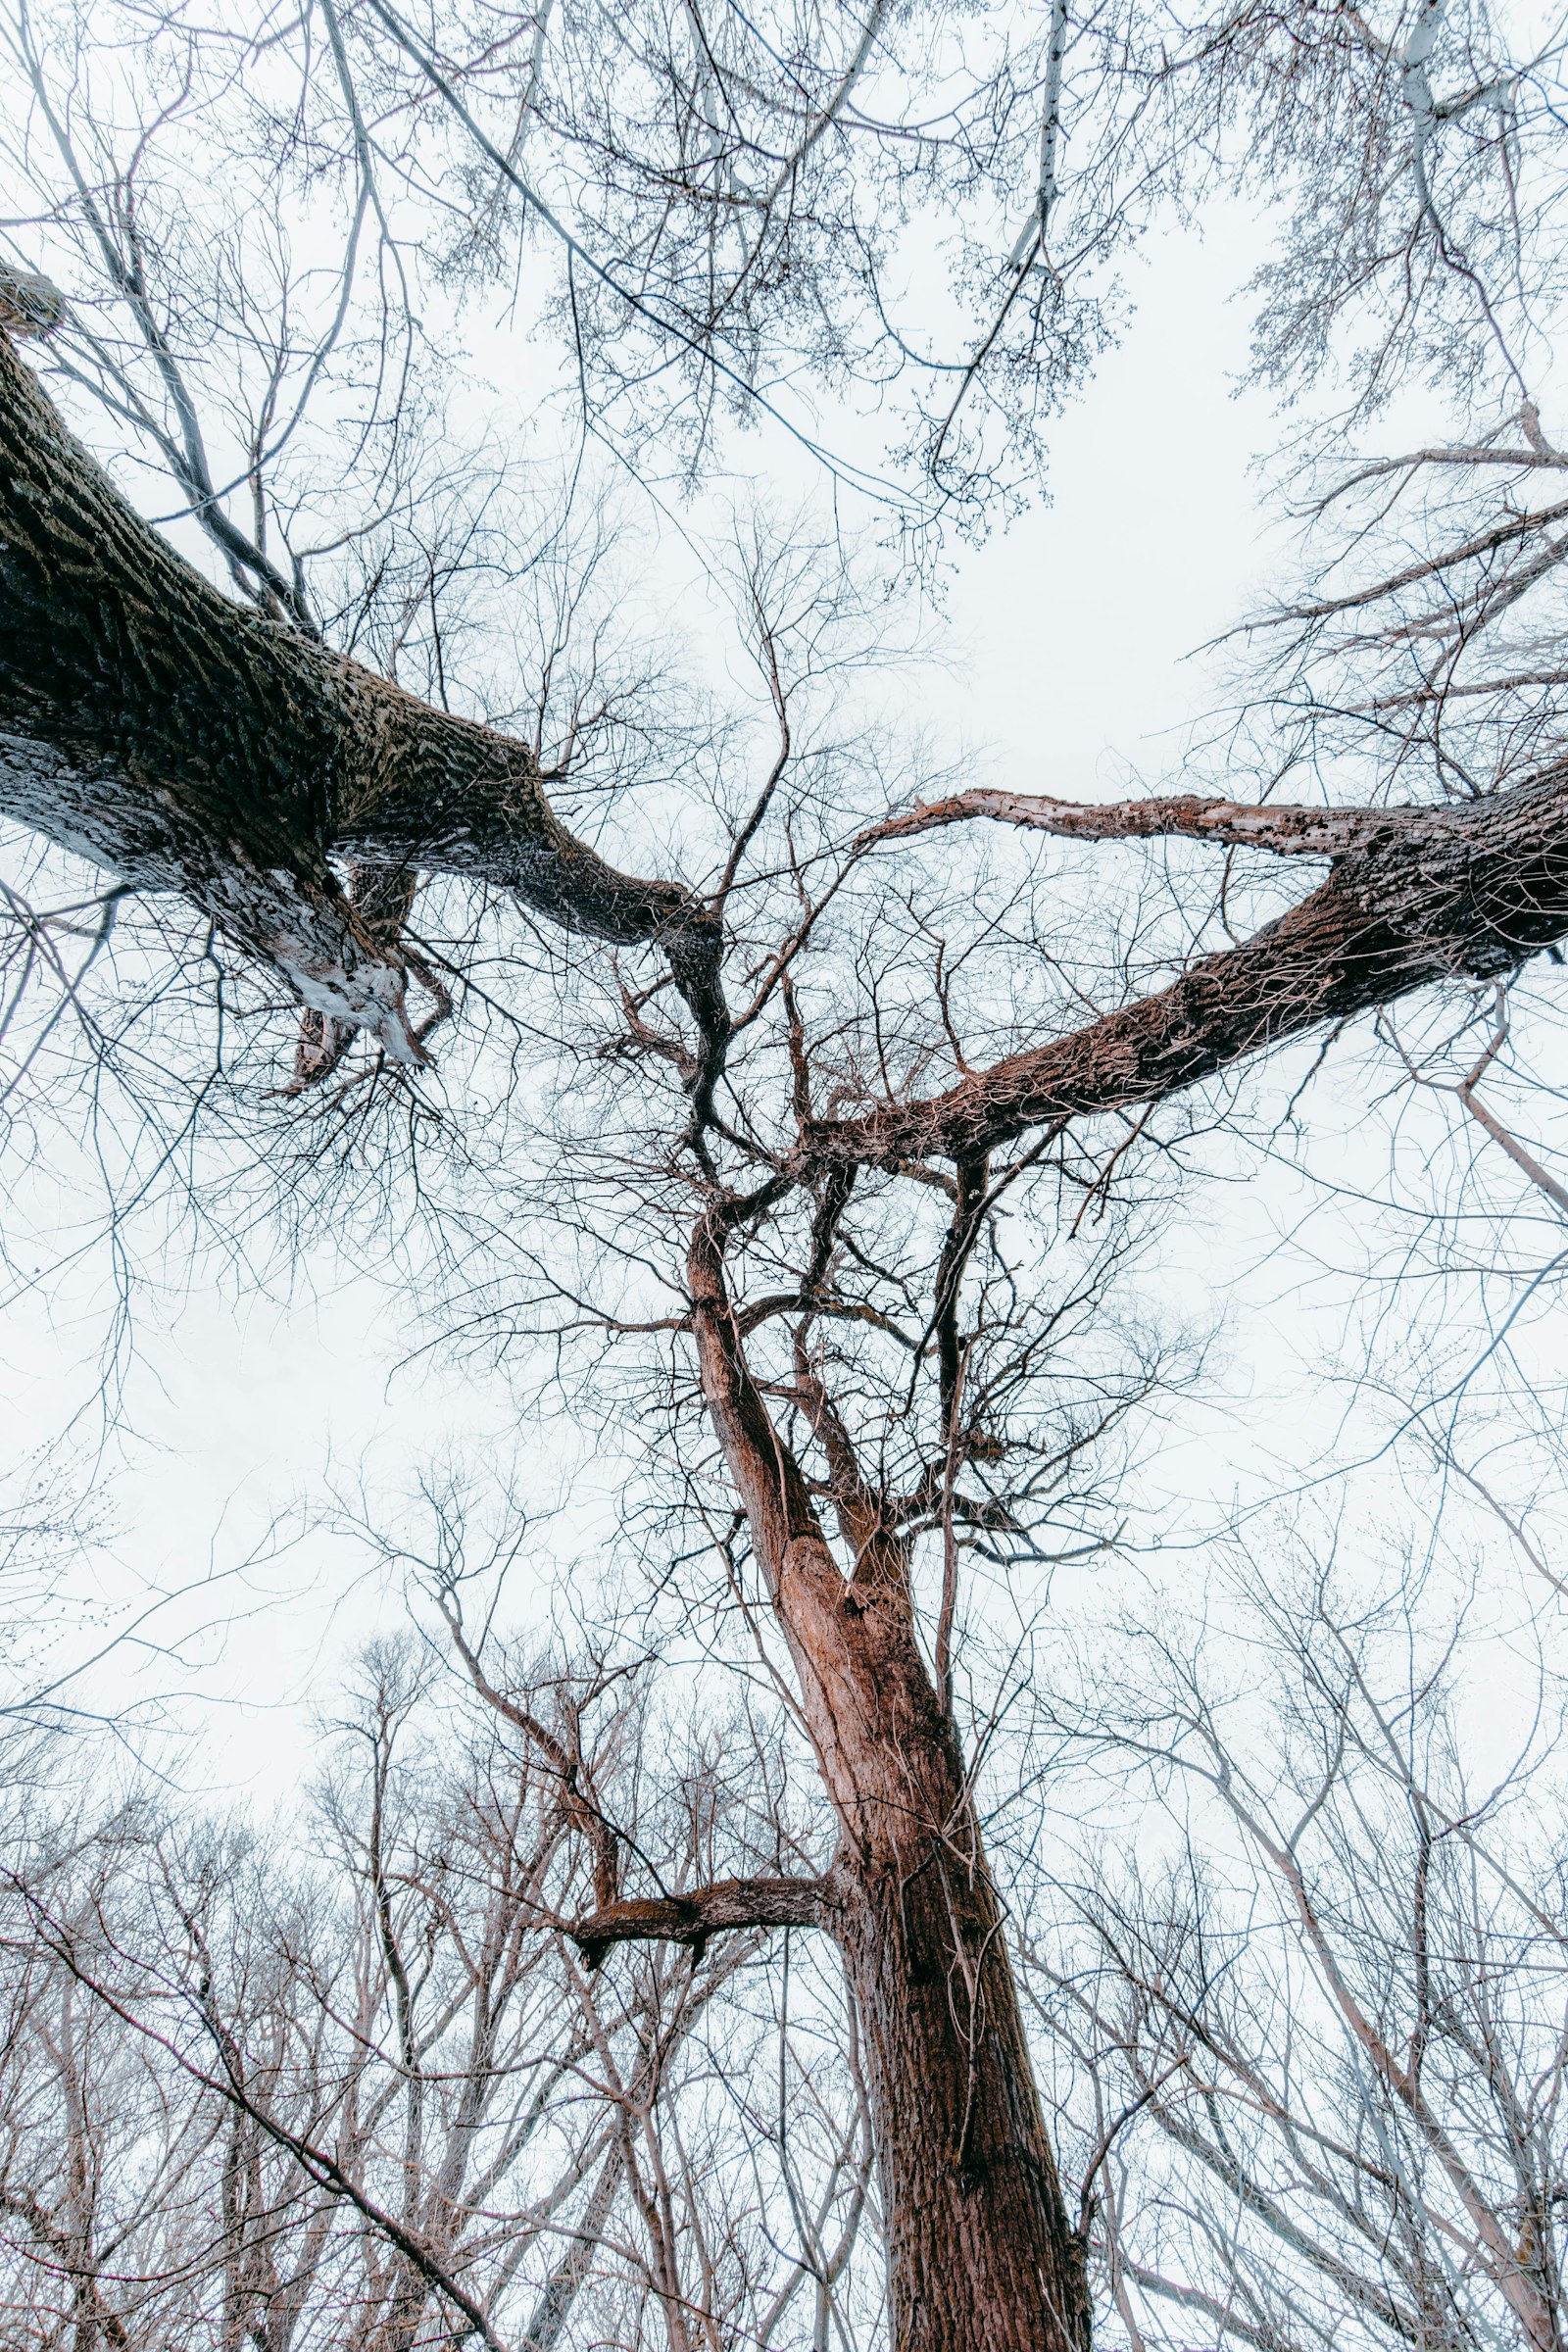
{"x":1286,"y":831}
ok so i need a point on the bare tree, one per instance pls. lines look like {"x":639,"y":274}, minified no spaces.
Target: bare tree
{"x":1325,"y":2025}
{"x":920,"y":202}
{"x":1412,"y":896}
{"x":362,"y":2093}
{"x":836,"y":1134}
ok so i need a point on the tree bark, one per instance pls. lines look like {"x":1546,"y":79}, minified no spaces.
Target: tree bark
{"x":191,"y":745}
{"x":1412,"y":896}
{"x":693,"y":1918}
{"x":979,"y":2247}
{"x":980,"y":2250}
{"x":188,"y":745}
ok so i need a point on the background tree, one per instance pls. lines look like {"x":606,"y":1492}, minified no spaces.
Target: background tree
{"x":361,"y":2101}
{"x":1323,"y":2017}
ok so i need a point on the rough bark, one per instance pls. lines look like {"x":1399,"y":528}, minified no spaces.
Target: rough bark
{"x":705,"y":1911}
{"x":1422,"y":895}
{"x":191,"y":745}
{"x":188,"y":745}
{"x":979,"y":2247}
{"x":1284,"y":830}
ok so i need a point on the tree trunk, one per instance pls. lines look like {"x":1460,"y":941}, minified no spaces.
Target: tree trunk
{"x":979,"y":2247}
{"x":980,"y":2251}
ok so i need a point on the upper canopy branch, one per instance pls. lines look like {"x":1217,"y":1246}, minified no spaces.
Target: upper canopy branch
{"x":1515,"y":525}
{"x":1288,"y":832}
{"x":188,"y":744}
{"x":1418,"y":896}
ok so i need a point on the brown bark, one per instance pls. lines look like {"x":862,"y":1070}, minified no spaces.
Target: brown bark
{"x":1286,"y":831}
{"x":980,"y":2250}
{"x":188,"y":745}
{"x":979,"y":2247}
{"x":705,"y":1911}
{"x":192,"y":746}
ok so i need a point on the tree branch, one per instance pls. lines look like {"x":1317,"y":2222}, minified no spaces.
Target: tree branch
{"x":1431,"y":894}
{"x":691,"y":1919}
{"x":189,"y":745}
{"x":1288,"y":832}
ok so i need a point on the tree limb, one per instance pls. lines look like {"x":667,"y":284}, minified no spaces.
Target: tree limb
{"x":1288,"y":832}
{"x":707,"y":1911}
{"x":1429,"y":895}
{"x":190,"y":745}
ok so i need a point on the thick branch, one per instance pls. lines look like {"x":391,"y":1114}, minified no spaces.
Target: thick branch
{"x":189,"y":745}
{"x":1433,"y":894}
{"x":707,"y":1911}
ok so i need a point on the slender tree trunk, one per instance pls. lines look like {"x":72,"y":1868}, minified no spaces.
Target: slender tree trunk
{"x":980,"y":2249}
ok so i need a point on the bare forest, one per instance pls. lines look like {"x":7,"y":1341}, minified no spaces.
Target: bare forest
{"x":986,"y":1766}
